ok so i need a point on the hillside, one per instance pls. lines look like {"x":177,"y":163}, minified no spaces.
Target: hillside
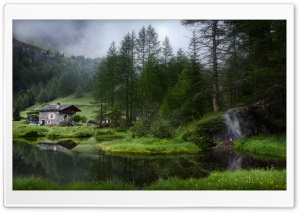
{"x":34,"y":53}
{"x":84,"y":104}
{"x":41,"y":75}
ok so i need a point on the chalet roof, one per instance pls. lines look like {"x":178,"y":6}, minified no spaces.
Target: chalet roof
{"x":52,"y":108}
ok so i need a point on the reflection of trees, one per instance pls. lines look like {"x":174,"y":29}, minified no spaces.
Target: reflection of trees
{"x":84,"y":163}
{"x":56,"y":165}
{"x":145,"y":170}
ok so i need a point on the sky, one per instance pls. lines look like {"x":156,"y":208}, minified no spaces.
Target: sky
{"x":92,"y":38}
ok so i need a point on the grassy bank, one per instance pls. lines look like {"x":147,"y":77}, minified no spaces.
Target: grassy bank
{"x":264,"y":144}
{"x":238,"y":180}
{"x":148,"y":146}
{"x":33,"y":183}
{"x":22,"y":130}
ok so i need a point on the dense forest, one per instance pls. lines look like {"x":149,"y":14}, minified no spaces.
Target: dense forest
{"x":228,"y":64}
{"x":42,"y":75}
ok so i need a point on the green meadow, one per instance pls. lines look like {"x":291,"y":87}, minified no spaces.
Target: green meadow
{"x":238,"y":180}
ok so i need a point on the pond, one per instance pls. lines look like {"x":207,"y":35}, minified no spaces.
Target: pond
{"x":65,"y":162}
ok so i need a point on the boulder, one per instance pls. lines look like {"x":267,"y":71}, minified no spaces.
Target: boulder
{"x":239,"y":123}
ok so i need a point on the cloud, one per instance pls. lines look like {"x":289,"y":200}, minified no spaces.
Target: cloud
{"x":92,"y":38}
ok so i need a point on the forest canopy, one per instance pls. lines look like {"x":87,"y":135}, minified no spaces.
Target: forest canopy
{"x":229,"y":63}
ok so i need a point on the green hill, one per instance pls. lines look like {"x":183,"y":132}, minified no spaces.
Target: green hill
{"x":84,"y":103}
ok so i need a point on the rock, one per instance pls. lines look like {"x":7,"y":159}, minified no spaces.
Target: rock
{"x":239,"y":123}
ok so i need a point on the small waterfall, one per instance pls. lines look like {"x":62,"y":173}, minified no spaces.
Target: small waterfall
{"x":239,"y":122}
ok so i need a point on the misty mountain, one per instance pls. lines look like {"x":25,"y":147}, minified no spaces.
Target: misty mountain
{"x":42,"y":75}
{"x":32,"y":53}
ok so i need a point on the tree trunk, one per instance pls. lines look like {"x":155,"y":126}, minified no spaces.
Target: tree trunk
{"x":215,"y":68}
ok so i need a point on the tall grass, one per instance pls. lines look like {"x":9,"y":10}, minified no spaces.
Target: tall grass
{"x":264,"y":144}
{"x":238,"y":180}
{"x":148,"y":146}
{"x":21,"y":129}
{"x":34,"y":183}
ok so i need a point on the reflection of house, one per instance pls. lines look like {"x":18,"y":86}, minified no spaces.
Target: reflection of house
{"x":55,"y":114}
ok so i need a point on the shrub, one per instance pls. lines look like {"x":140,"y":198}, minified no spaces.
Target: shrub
{"x":141,"y":128}
{"x":16,"y":115}
{"x":84,"y":133}
{"x":36,"y":133}
{"x":76,"y":118}
{"x":161,"y":129}
{"x":83,"y":119}
{"x":201,"y":131}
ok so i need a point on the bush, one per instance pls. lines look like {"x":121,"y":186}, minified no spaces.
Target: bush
{"x":83,"y":119}
{"x":141,"y":128}
{"x":161,"y":129}
{"x":202,"y":130}
{"x":76,"y":118}
{"x":40,"y":132}
{"x":84,"y":133}
{"x":201,"y":140}
{"x":16,"y":115}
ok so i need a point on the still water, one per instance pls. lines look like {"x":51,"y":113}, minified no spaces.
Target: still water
{"x":66,"y":162}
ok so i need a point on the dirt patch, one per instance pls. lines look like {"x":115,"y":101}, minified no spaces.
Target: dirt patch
{"x":225,"y":146}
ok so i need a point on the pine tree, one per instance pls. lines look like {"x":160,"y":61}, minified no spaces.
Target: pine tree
{"x":78,"y":92}
{"x":210,"y":38}
{"x":128,"y":74}
{"x":16,"y":114}
{"x":167,"y":52}
{"x":141,"y":44}
{"x":152,"y":43}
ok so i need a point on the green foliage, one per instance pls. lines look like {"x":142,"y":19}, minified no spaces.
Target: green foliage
{"x":35,"y":183}
{"x":141,"y":128}
{"x":200,"y":132}
{"x":83,"y":119}
{"x":78,"y":92}
{"x":35,"y":132}
{"x":42,"y":97}
{"x":76,"y":118}
{"x":186,"y":101}
{"x":158,"y":129}
{"x":16,"y":115}
{"x":238,"y":180}
{"x":84,"y":133}
{"x":32,"y":113}
{"x":200,"y":139}
{"x":148,"y":146}
{"x":20,"y":128}
{"x":272,"y":144}
{"x":161,"y":129}
{"x":279,"y":124}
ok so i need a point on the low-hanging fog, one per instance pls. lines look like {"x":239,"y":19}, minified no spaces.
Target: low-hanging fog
{"x":92,"y":38}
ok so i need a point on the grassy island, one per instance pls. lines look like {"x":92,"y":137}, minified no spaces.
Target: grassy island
{"x":148,"y":146}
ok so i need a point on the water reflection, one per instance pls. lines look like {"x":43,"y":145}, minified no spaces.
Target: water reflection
{"x":59,"y":146}
{"x":84,"y":163}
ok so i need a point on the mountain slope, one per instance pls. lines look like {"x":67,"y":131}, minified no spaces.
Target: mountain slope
{"x":84,"y":104}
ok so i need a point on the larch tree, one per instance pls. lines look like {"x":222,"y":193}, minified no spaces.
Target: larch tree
{"x":209,"y":36}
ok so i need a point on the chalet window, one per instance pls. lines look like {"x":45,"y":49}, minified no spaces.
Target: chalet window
{"x":48,"y":122}
{"x":51,"y":116}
